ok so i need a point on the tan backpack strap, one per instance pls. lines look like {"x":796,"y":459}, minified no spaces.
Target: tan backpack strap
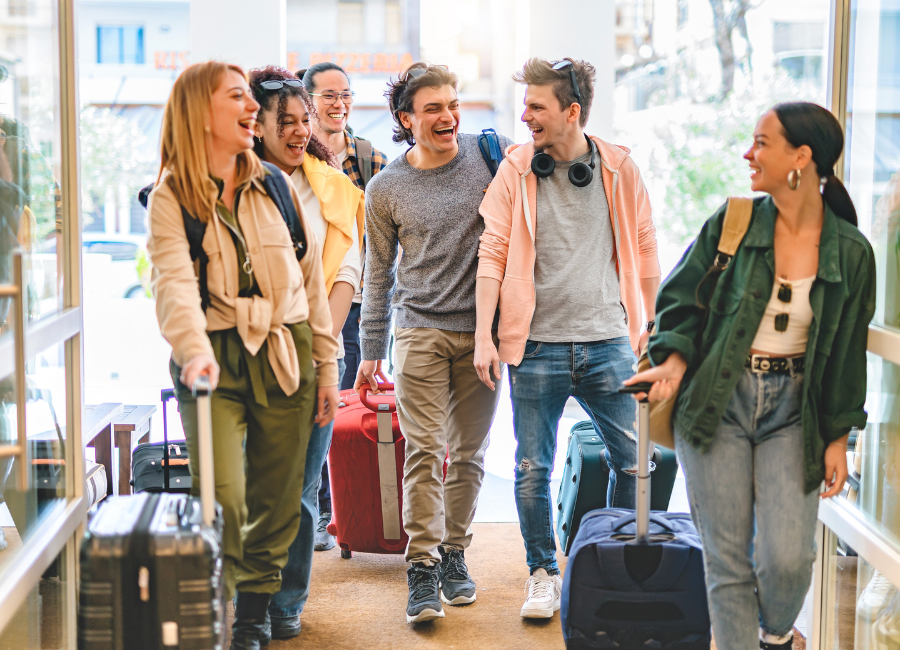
{"x":737,"y":220}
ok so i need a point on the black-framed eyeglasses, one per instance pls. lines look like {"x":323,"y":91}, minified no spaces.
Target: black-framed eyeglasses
{"x":330,"y":99}
{"x":785,"y":292}
{"x":562,"y":65}
{"x":278,"y":84}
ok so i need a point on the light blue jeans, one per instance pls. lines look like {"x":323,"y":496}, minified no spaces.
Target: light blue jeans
{"x":548,"y":375}
{"x":295,"y":576}
{"x":755,"y":520}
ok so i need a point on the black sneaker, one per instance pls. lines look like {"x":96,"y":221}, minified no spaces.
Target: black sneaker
{"x":424,"y":603}
{"x":787,"y":645}
{"x":457,"y":587}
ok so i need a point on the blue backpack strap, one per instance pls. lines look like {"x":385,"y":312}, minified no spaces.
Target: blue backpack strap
{"x":489,"y":144}
{"x":278,"y":191}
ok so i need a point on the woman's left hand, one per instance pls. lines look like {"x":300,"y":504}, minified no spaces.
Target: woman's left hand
{"x":328,"y":400}
{"x":835,"y":468}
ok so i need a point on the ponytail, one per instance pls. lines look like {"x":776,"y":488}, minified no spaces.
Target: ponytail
{"x":838,"y":199}
{"x":804,"y":123}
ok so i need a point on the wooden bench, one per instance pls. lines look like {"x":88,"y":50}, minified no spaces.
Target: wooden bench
{"x":96,"y":432}
{"x":132,"y":427}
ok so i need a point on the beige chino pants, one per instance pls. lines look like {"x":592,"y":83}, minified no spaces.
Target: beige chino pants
{"x":440,"y":401}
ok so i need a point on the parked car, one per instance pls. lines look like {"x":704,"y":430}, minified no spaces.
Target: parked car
{"x":119,"y":275}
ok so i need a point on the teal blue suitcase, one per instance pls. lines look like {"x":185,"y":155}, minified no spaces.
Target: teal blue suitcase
{"x":586,"y":477}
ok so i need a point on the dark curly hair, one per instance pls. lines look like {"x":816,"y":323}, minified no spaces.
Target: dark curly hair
{"x":400,"y":93}
{"x":266,"y":100}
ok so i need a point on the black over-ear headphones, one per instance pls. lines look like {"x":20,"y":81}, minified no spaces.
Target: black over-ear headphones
{"x":580,"y":175}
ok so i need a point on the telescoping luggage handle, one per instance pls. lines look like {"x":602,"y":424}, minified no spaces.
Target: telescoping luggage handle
{"x":642,"y":505}
{"x":387,"y":467}
{"x":201,"y":392}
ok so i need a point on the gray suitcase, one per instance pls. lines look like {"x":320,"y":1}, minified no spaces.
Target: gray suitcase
{"x":151,"y":566}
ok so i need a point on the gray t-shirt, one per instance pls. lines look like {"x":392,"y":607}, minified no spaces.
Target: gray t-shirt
{"x":575,"y":280}
{"x":433,"y":215}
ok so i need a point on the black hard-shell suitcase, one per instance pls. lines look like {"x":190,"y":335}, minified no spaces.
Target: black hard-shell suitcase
{"x":151,"y":567}
{"x":586,"y":477}
{"x":161,"y":466}
{"x":635,"y":579}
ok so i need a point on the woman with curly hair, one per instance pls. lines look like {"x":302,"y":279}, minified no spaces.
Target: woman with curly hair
{"x":334,"y":210}
{"x":259,"y":327}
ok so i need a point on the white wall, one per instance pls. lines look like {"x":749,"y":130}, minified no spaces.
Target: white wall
{"x":250,"y":35}
{"x":581,"y":29}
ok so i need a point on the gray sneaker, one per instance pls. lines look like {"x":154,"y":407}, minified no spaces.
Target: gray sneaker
{"x":424,"y":604}
{"x":324,"y":540}
{"x":457,"y":587}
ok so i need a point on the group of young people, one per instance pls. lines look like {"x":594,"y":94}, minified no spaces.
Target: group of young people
{"x":546,"y":265}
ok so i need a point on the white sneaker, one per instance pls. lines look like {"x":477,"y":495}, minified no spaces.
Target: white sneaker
{"x":544,"y":593}
{"x":873,"y":597}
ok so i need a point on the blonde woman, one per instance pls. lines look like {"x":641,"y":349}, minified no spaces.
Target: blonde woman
{"x":265,"y":325}
{"x":335,"y":211}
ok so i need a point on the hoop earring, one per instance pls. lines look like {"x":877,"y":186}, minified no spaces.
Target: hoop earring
{"x":794,"y":179}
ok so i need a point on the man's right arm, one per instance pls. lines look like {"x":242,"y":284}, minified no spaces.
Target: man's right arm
{"x":496,"y":210}
{"x":380,"y":272}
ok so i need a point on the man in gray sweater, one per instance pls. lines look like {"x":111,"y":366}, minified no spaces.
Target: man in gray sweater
{"x":426,"y":201}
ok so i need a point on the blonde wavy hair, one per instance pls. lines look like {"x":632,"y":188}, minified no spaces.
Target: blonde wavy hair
{"x":183,"y":148}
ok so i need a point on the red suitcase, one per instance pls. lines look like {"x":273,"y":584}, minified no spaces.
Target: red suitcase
{"x":365,"y":465}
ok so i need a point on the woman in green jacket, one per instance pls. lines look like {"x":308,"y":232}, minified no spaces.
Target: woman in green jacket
{"x":770,"y":374}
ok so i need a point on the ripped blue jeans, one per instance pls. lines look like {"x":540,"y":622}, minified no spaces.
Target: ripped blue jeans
{"x":548,"y":375}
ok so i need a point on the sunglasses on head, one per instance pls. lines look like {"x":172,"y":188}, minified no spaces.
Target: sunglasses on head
{"x":415,"y":73}
{"x":562,"y":65}
{"x":278,"y":84}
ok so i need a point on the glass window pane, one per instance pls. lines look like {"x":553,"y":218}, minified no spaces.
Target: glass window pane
{"x":30,"y":163}
{"x":132,"y":45}
{"x":109,"y":48}
{"x":40,"y":623}
{"x":45,"y":425}
{"x":866,"y":612}
{"x":872,"y":163}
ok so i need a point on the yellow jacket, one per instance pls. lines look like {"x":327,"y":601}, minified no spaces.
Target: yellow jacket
{"x":341,"y":203}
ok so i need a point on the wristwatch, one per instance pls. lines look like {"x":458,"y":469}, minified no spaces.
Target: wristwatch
{"x":651,"y":326}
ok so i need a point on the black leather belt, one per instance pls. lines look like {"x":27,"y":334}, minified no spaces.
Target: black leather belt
{"x":778,"y":365}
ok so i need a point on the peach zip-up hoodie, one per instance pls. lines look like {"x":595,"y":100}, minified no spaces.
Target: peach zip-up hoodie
{"x":507,"y":251}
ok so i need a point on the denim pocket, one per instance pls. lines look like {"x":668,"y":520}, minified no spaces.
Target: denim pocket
{"x":532,"y":349}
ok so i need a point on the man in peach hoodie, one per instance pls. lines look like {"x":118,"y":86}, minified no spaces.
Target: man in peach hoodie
{"x":569,"y":252}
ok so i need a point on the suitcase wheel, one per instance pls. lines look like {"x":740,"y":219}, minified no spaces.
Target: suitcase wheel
{"x":345,"y":554}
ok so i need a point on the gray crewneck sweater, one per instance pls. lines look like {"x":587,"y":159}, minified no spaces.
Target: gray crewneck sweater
{"x":433,"y":215}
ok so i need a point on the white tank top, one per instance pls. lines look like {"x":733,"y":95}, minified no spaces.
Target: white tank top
{"x":793,"y":340}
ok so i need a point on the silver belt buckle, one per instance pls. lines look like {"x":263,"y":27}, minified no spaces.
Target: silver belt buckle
{"x":764,"y":364}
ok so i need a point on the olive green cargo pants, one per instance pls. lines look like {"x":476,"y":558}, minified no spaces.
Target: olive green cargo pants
{"x":260,"y":436}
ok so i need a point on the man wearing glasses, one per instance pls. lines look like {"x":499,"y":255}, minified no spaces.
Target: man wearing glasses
{"x":569,"y":254}
{"x":426,"y":201}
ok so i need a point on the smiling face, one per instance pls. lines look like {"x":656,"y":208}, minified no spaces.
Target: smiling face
{"x":331,"y":119}
{"x":287,"y":149}
{"x":772,"y":157}
{"x":434,"y":121}
{"x":232,"y":115}
{"x":548,"y":122}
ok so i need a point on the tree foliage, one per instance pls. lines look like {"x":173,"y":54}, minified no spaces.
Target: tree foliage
{"x":111,"y":158}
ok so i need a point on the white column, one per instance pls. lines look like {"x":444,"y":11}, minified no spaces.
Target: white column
{"x":581,"y":29}
{"x":235,"y":32}
{"x":373,"y":23}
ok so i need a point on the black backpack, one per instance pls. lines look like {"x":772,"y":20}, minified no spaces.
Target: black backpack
{"x":278,"y":191}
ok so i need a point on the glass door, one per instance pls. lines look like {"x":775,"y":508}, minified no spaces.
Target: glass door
{"x":41,"y":456}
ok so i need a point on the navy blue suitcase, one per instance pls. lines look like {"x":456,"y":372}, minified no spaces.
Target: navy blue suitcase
{"x":635,"y":579}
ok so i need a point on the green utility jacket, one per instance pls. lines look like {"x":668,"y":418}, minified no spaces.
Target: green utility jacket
{"x":842,"y":300}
